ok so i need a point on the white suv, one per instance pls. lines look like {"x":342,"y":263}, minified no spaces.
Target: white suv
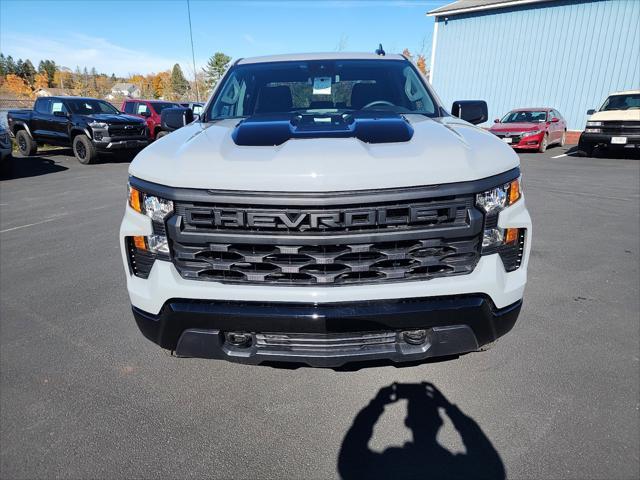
{"x":323,"y":209}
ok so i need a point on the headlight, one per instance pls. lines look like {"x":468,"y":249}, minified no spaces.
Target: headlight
{"x":594,"y":124}
{"x":507,"y":242}
{"x":500,"y":197}
{"x":98,"y":125}
{"x":157,"y":209}
{"x":153,"y":207}
{"x":532,"y":132}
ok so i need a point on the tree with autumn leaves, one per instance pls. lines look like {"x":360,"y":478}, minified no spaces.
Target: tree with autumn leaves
{"x":420,"y":60}
{"x":22,"y":80}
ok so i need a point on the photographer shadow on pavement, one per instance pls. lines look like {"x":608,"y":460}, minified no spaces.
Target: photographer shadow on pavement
{"x":423,"y":457}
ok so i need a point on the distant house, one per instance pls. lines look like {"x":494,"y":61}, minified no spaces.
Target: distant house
{"x":128,"y":90}
{"x":56,"y":92}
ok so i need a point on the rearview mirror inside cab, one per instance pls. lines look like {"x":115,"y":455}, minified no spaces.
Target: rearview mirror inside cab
{"x":472,"y":111}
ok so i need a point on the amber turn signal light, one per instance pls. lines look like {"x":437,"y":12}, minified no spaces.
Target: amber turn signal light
{"x":140,"y":242}
{"x":510,"y":235}
{"x":514,"y":192}
{"x":134,"y":200}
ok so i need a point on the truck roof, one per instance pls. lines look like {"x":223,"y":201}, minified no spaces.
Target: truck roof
{"x":293,"y":57}
{"x":155,"y":100}
{"x":626,"y":92}
{"x":70,"y":97}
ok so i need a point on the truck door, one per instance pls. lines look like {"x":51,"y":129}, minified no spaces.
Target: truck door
{"x":59,"y":120}
{"x":40,"y":120}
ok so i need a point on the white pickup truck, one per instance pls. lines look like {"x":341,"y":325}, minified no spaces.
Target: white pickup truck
{"x":325,"y":209}
{"x":615,"y":125}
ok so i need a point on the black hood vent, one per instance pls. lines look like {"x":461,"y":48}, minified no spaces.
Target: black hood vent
{"x":369,"y":127}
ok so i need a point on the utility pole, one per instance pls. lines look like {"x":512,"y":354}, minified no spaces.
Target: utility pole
{"x":193,"y":55}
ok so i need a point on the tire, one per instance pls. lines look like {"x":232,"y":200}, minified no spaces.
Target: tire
{"x":544,"y":144}
{"x":161,"y":134}
{"x":563,"y":139}
{"x":26,"y":145}
{"x":585,"y":149}
{"x":84,"y":150}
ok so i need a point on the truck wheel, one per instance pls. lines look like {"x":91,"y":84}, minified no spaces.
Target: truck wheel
{"x":84,"y":150}
{"x":161,"y":134}
{"x":543,"y":144}
{"x":26,"y":145}
{"x":585,"y":149}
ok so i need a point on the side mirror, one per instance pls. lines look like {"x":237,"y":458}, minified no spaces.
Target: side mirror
{"x":472,"y":111}
{"x":60,"y":114}
{"x":146,"y":113}
{"x":555,"y":120}
{"x":175,"y":118}
{"x":591,"y":111}
{"x":497,"y":120}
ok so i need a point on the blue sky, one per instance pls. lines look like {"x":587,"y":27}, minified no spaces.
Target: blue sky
{"x":128,"y":36}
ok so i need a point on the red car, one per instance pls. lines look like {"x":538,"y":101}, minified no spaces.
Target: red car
{"x":531,"y":128}
{"x":149,"y":110}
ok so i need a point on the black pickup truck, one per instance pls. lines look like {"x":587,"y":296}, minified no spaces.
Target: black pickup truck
{"x":90,"y":126}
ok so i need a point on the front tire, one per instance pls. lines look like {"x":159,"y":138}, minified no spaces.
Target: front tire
{"x":544,"y":144}
{"x":586,"y":149}
{"x":26,"y":145}
{"x":84,"y":150}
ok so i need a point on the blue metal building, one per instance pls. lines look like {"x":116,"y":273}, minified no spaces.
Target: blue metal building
{"x":565,"y":54}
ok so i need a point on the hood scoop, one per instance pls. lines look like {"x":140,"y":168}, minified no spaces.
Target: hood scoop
{"x":369,"y":127}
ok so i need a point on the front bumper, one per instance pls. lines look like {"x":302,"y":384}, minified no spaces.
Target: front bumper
{"x":121,"y":144}
{"x":592,"y":139}
{"x":328,"y":335}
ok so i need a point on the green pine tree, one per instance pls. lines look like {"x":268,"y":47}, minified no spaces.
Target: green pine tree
{"x":178,"y":83}
{"x":216,"y":66}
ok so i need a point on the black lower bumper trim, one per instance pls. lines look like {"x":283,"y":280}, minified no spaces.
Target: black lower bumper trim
{"x":455,"y":324}
{"x":592,"y":139}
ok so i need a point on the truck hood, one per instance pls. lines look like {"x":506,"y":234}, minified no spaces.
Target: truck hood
{"x":616,"y":115}
{"x":113,"y":119}
{"x":443,"y":150}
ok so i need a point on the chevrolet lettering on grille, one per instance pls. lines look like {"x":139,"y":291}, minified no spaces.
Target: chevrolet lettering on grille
{"x":320,"y":220}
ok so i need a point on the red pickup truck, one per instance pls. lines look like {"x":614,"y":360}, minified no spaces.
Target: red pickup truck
{"x":149,"y":110}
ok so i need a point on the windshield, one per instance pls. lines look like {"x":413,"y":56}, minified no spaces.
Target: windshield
{"x":89,"y":106}
{"x":322,"y":86}
{"x":158,"y":107}
{"x":525,"y":116}
{"x":622,"y":102}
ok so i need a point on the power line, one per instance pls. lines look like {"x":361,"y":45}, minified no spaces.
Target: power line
{"x":193,"y":55}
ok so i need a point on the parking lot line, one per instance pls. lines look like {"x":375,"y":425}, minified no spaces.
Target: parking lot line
{"x":33,"y":224}
{"x":563,"y":155}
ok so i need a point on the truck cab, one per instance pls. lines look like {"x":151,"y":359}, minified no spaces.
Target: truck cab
{"x":149,"y":110}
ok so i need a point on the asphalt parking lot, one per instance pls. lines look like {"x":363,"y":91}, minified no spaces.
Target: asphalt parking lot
{"x":84,"y":395}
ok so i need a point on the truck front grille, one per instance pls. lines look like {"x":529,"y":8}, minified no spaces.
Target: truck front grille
{"x":619,"y":128}
{"x":126,"y":131}
{"x":326,"y":264}
{"x":371,"y":237}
